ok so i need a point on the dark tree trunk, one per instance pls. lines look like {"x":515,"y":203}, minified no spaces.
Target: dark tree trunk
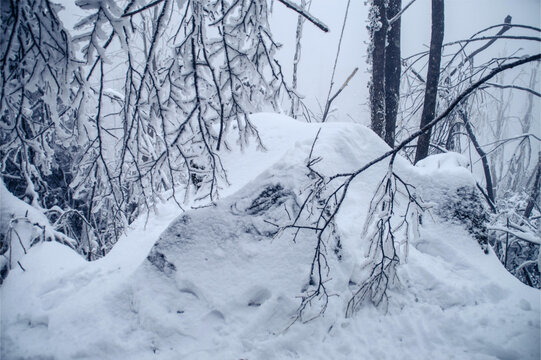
{"x":377,"y":86}
{"x":432,"y":78}
{"x":392,"y":71}
{"x":483,"y":156}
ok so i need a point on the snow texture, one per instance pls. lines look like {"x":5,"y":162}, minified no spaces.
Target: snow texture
{"x":222,"y":283}
{"x":20,"y":225}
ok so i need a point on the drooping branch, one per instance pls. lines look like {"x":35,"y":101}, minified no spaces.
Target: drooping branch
{"x":519,"y":234}
{"x":380,"y":232}
{"x":495,"y":37}
{"x":324,"y":209}
{"x":503,"y":30}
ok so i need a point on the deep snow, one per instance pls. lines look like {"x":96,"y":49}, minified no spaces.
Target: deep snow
{"x":219,"y":283}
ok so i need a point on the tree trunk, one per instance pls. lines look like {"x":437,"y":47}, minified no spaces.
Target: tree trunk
{"x":432,"y":77}
{"x":483,"y":156}
{"x":392,"y":72}
{"x":377,"y":86}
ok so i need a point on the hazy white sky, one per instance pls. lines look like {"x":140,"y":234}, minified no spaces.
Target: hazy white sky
{"x":462,"y":19}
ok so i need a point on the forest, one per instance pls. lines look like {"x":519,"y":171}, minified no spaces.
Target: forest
{"x":270,"y":179}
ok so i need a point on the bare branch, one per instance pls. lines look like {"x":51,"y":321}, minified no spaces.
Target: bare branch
{"x":331,"y":99}
{"x":531,"y":91}
{"x":306,"y":14}
{"x":397,"y":16}
{"x":152,"y":4}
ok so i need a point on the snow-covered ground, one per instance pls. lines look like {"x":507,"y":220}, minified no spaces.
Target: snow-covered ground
{"x":220,"y":283}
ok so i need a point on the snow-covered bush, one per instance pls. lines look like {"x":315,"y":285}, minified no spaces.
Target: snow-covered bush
{"x":21,"y":227}
{"x":465,"y":206}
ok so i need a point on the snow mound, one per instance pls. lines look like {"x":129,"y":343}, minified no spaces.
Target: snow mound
{"x":20,"y":226}
{"x":223,"y":282}
{"x":446,"y":160}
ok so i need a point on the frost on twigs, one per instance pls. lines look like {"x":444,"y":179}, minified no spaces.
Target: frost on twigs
{"x":185,"y":75}
{"x":387,"y":230}
{"x":516,"y":239}
{"x":205,"y":66}
{"x":315,"y":216}
{"x":19,"y":233}
{"x":393,"y":217}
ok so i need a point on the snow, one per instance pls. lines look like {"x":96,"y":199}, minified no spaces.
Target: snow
{"x":16,"y":219}
{"x":445,"y":160}
{"x":221,"y":283}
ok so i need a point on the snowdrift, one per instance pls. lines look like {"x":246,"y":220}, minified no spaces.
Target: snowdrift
{"x":223,"y":282}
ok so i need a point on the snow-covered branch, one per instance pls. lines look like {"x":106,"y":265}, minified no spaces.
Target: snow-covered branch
{"x":519,"y":234}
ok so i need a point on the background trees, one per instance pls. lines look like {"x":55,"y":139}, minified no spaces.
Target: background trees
{"x":384,"y":27}
{"x":468,"y":128}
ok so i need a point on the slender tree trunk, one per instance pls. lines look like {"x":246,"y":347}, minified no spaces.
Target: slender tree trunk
{"x":377,"y":86}
{"x":392,"y":72}
{"x":482,"y":155}
{"x":432,"y":77}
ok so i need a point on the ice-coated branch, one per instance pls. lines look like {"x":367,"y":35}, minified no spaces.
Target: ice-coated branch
{"x":332,"y":98}
{"x":518,"y":232}
{"x":397,"y":16}
{"x":516,"y":87}
{"x":339,"y":47}
{"x":495,"y":37}
{"x":306,"y":14}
